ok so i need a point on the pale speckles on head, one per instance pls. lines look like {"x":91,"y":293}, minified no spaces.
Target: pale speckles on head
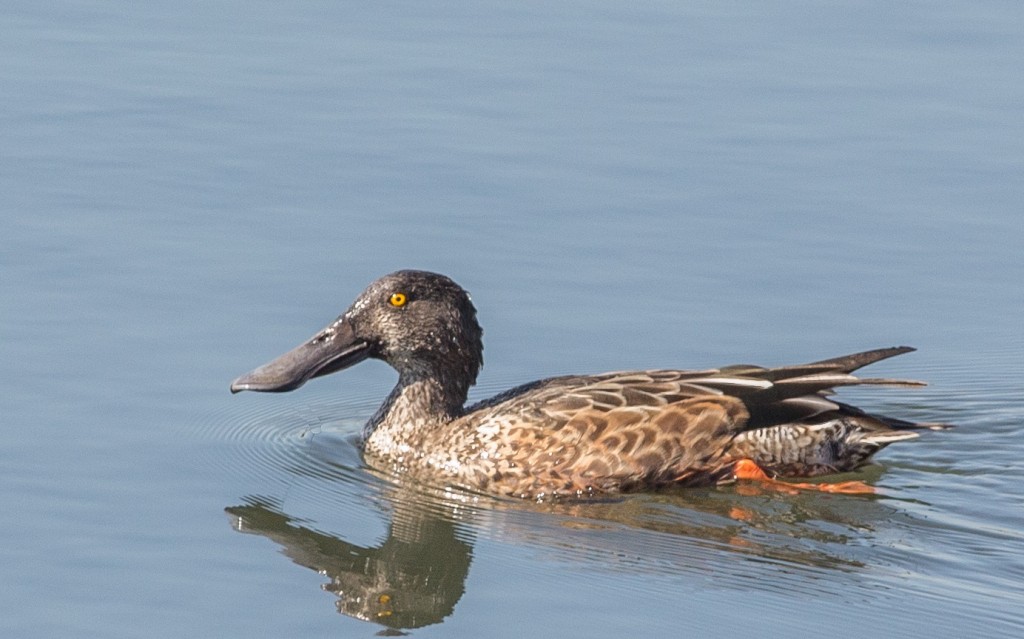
{"x":330,"y":331}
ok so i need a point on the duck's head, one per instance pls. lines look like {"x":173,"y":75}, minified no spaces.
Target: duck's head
{"x":422,"y":324}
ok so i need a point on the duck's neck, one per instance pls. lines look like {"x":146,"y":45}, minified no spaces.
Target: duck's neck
{"x":418,"y":401}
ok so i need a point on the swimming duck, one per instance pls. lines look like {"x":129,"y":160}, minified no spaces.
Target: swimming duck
{"x":578,"y":435}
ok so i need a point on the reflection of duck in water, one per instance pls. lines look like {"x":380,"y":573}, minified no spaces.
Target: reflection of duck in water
{"x":417,"y":574}
{"x":413,"y":579}
{"x":578,"y":435}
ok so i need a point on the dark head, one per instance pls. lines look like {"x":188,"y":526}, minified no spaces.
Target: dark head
{"x":422,"y":324}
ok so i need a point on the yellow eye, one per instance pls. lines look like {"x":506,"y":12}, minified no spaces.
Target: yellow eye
{"x":398,"y":299}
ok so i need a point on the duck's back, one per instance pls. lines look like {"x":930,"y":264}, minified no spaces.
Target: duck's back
{"x":642,"y":429}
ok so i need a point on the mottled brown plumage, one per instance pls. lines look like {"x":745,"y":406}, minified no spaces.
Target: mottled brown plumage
{"x":577,"y":435}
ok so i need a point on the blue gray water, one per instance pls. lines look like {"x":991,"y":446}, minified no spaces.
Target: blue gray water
{"x":188,"y":190}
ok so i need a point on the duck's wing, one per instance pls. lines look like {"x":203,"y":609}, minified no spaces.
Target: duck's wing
{"x":615,"y":430}
{"x":770,"y":395}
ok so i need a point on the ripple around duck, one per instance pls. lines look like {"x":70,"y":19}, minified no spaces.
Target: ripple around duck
{"x":285,"y":442}
{"x":315,"y":436}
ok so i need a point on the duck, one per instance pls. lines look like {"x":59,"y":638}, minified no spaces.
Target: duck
{"x":575,"y":436}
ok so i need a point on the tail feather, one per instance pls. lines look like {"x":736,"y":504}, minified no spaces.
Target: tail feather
{"x":796,"y":428}
{"x":842,"y":364}
{"x":883,"y":438}
{"x":883,"y":423}
{"x":808,"y":384}
{"x":850,"y":363}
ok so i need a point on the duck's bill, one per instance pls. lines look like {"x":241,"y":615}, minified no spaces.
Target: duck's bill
{"x":330,"y":350}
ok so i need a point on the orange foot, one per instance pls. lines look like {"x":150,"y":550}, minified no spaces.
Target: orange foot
{"x":748,"y":469}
